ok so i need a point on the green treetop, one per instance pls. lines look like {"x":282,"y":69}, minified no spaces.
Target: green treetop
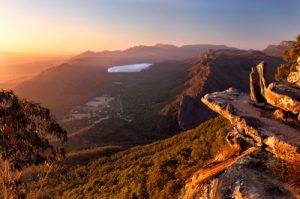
{"x":24,"y":131}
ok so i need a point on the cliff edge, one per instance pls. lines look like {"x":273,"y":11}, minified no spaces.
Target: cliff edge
{"x":265,"y":136}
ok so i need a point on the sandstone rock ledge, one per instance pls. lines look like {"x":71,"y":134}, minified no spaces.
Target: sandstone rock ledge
{"x":257,"y":123}
{"x":265,"y":138}
{"x":247,"y":177}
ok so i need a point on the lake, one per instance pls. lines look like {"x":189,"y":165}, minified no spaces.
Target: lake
{"x":131,"y":68}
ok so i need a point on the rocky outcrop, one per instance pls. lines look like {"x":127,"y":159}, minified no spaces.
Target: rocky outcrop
{"x":256,"y":123}
{"x":265,"y":131}
{"x":285,"y":96}
{"x":294,"y":77}
{"x":257,"y":83}
{"x":196,"y":181}
{"x":248,"y":176}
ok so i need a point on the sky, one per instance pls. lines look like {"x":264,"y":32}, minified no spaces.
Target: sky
{"x":74,"y":26}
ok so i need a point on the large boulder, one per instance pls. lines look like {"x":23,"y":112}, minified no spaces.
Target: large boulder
{"x":285,"y":96}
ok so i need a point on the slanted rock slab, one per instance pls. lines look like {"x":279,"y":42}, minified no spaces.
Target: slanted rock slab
{"x":255,"y":122}
{"x":284,"y":96}
{"x":246,"y":176}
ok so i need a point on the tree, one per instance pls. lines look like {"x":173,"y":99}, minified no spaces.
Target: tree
{"x":290,"y":57}
{"x":25,"y":128}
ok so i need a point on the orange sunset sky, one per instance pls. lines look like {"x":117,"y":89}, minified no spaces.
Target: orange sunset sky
{"x":74,"y":26}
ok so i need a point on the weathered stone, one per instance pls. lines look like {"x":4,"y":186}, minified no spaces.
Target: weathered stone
{"x":250,"y":178}
{"x":283,"y":96}
{"x":294,"y":78}
{"x":238,"y":142}
{"x":233,"y":139}
{"x":262,"y":80}
{"x":255,"y":86}
{"x":256,"y":123}
{"x":286,"y":117}
{"x":194,"y":183}
{"x":279,"y":114}
{"x":246,"y":176}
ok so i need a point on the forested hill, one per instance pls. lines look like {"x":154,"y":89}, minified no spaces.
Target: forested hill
{"x":157,"y":170}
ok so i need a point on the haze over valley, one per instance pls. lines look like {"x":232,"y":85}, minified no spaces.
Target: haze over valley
{"x":18,"y":67}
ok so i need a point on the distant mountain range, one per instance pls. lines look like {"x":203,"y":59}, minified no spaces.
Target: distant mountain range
{"x":160,"y":101}
{"x":148,"y":54}
{"x":84,"y":76}
{"x":278,"y":50}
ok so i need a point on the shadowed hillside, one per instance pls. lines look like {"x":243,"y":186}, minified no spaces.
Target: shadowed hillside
{"x":85,"y":76}
{"x":214,"y":71}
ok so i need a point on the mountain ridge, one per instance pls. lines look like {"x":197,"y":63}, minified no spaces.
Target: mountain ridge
{"x":159,"y":102}
{"x":279,"y":49}
{"x":90,"y":64}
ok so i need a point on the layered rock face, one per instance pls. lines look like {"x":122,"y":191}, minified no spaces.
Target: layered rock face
{"x":266,"y":131}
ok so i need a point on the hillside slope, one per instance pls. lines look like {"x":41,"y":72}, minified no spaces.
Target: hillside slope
{"x":157,"y":170}
{"x":148,"y":54}
{"x":85,"y":76}
{"x":110,"y":131}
